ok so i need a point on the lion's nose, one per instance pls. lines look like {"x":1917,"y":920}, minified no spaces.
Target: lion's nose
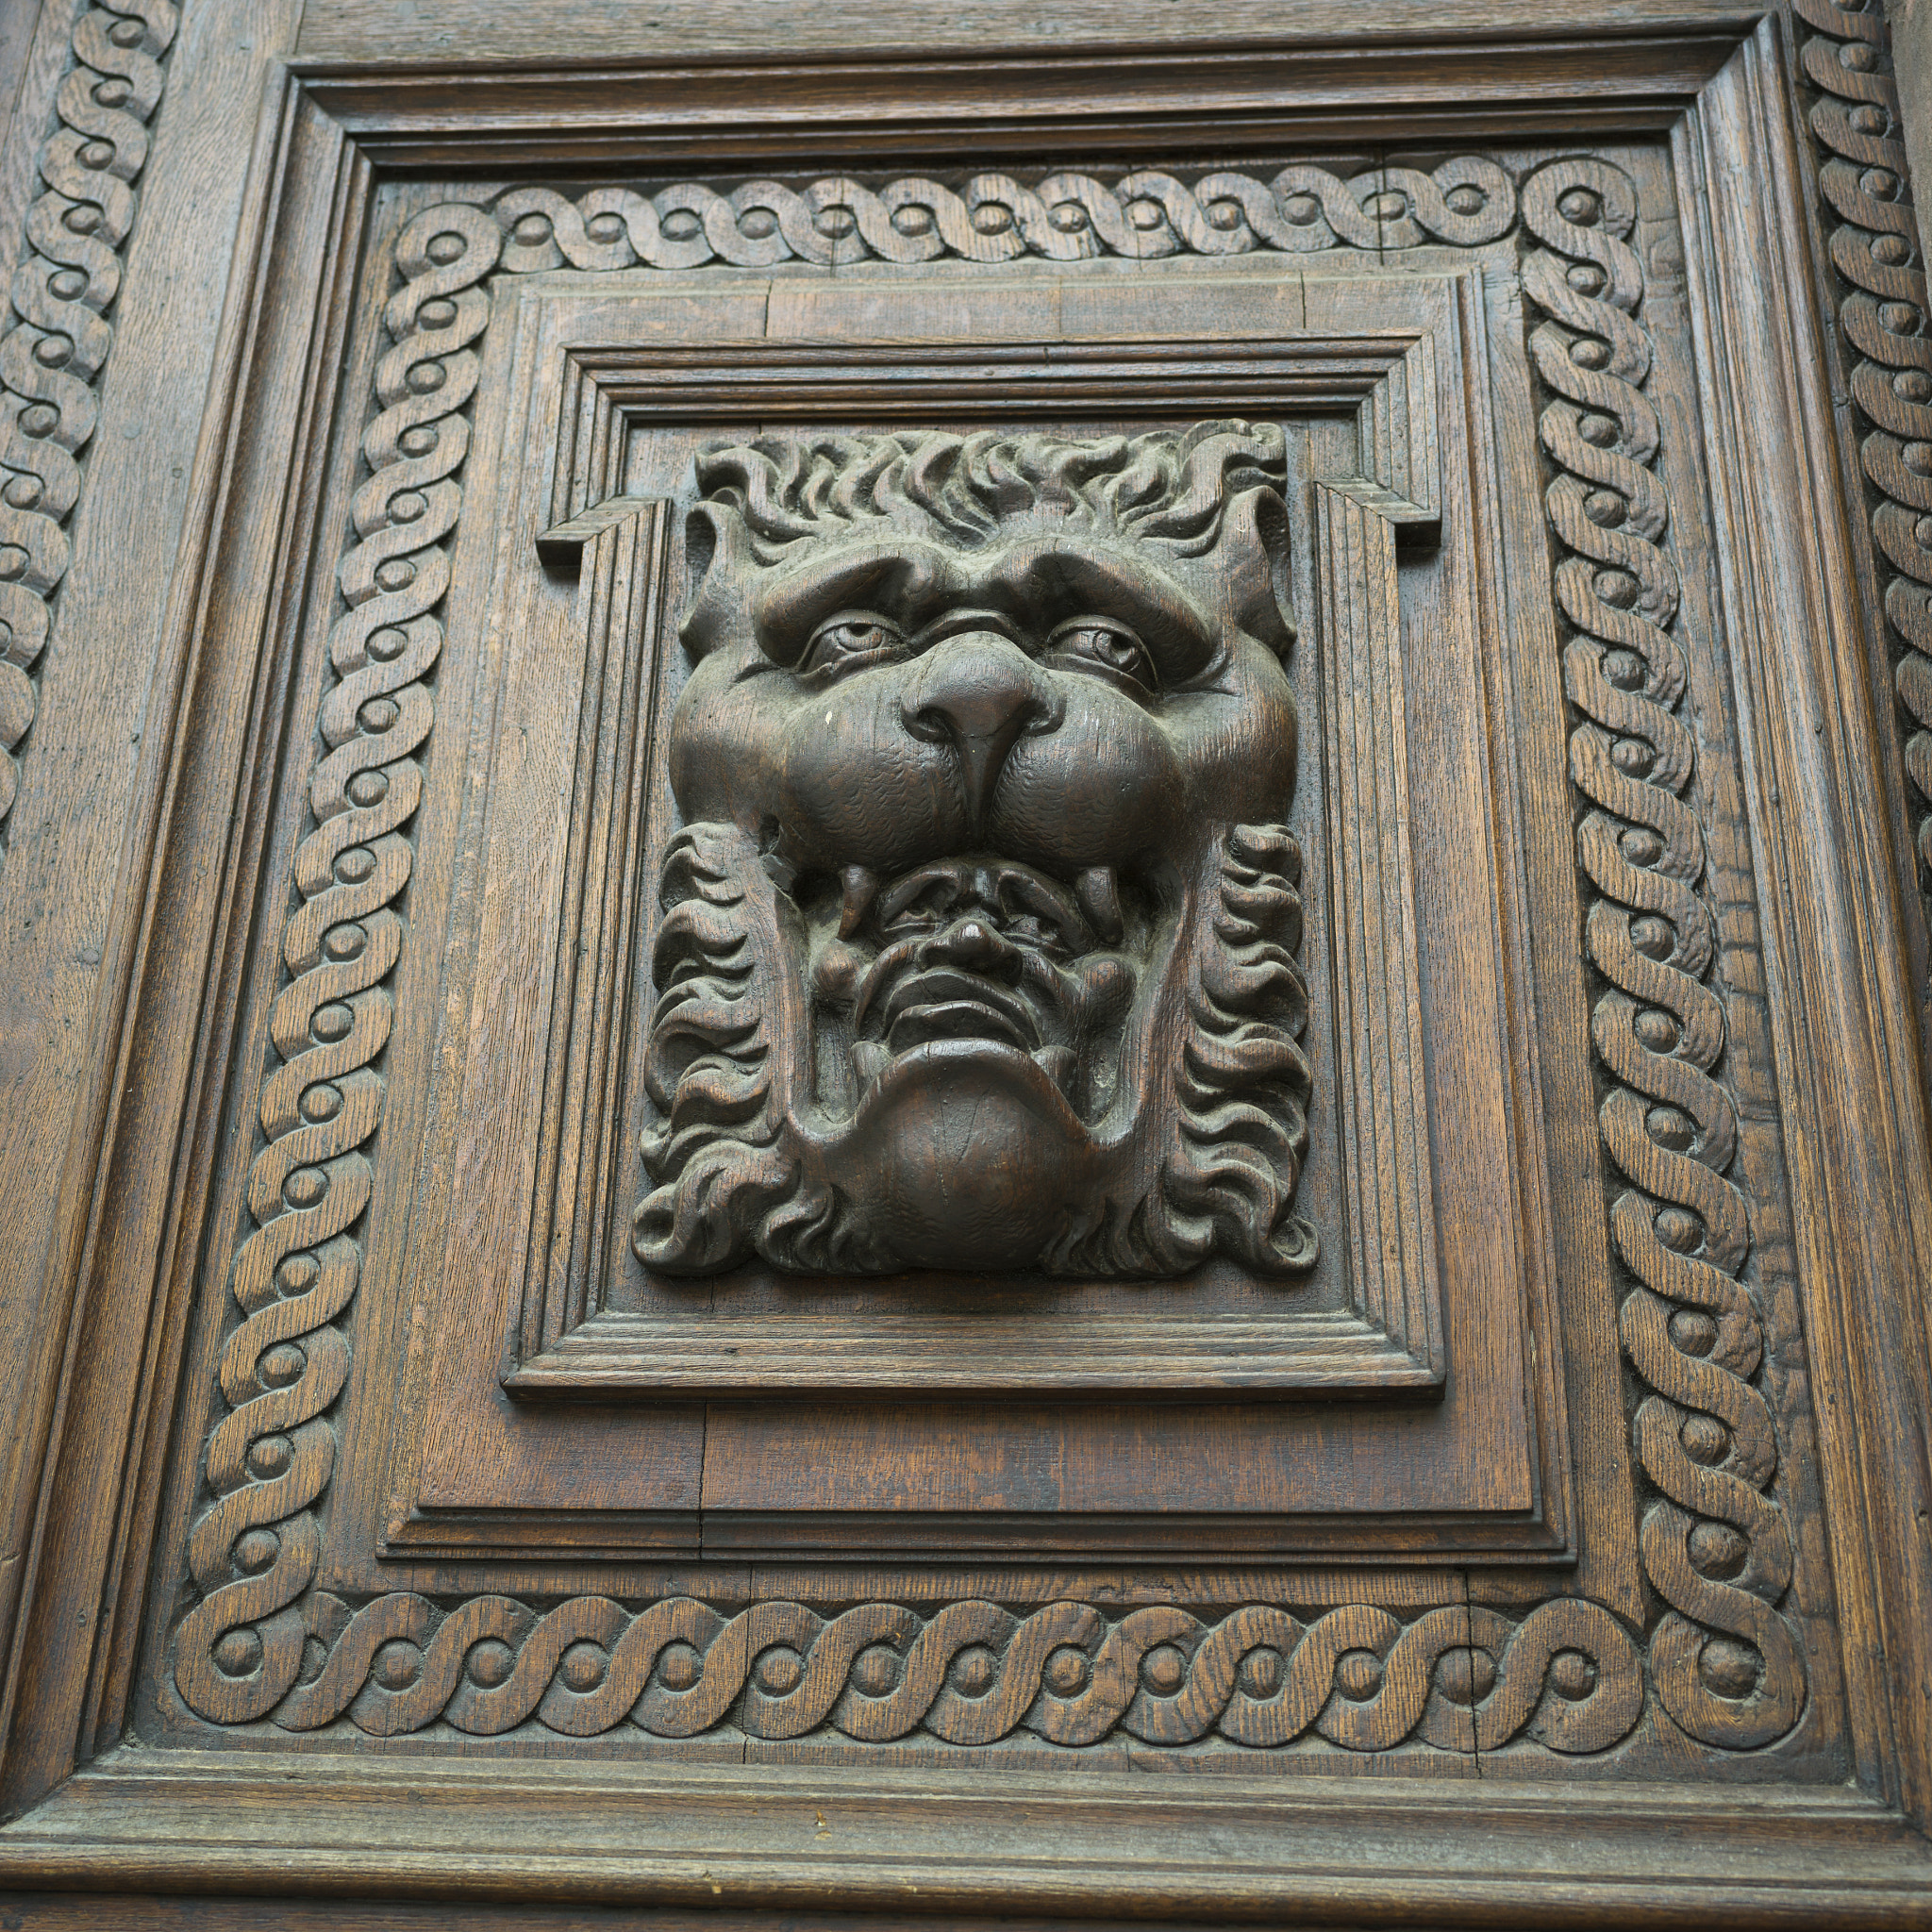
{"x":978,"y":692}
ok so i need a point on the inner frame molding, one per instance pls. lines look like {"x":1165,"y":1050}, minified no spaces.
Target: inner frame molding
{"x":1390,"y":1337}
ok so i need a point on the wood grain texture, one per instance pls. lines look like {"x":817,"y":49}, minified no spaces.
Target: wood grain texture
{"x":405,"y":1663}
{"x":490,"y":30}
{"x":69,"y":908}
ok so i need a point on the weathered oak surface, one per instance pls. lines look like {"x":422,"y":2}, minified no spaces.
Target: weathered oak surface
{"x":368,"y":1530}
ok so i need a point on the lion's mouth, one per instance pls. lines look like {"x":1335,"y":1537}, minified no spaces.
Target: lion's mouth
{"x":948,"y":1003}
{"x":945,"y":1003}
{"x":973,"y":950}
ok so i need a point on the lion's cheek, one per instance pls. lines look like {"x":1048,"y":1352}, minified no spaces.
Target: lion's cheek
{"x":853,"y":789}
{"x":720,"y":751}
{"x":1078,"y":799}
{"x":1238,"y":749}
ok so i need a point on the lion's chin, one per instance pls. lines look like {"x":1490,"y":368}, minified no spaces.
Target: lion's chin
{"x":963,"y":1155}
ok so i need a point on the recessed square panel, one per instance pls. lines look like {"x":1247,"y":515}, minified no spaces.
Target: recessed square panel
{"x":619,"y":900}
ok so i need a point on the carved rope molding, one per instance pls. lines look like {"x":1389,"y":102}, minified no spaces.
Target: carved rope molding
{"x":260,"y":1645}
{"x":1716,"y":1547}
{"x":1882,"y":319}
{"x":52,"y":353}
{"x":1064,"y":217}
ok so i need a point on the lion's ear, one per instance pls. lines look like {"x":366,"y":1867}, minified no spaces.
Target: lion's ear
{"x":1253,"y":559}
{"x":717,"y":563}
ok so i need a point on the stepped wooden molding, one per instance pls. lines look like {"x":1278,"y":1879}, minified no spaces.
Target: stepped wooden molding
{"x":259,"y":1647}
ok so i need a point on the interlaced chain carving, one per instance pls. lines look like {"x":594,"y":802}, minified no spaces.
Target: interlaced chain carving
{"x":974,"y":1673}
{"x":259,"y":1645}
{"x":271,"y":1457}
{"x":58,"y":339}
{"x":1064,"y":217}
{"x":1715,"y":1544}
{"x":1882,"y":319}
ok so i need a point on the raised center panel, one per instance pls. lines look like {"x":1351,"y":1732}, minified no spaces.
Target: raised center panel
{"x":987,"y":889}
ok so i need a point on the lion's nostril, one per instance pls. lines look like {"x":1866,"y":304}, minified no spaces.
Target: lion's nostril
{"x":978,"y":694}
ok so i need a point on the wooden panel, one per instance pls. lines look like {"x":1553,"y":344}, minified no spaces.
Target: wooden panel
{"x":372,"y":31}
{"x":1653,"y":1652}
{"x":468,"y":1476}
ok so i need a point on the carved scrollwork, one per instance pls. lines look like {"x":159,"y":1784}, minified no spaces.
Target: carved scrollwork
{"x":1716,"y":1546}
{"x":994,"y":218}
{"x":1883,"y":315}
{"x":260,"y":1645}
{"x":254,"y":1551}
{"x":52,"y":354}
{"x":974,"y":1673}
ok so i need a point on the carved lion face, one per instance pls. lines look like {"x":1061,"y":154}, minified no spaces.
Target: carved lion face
{"x":979,"y":941}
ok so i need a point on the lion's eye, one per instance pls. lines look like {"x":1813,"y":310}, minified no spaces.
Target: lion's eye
{"x":1093,"y":644}
{"x":849,"y":642}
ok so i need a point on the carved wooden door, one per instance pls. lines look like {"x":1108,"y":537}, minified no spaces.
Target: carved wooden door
{"x":981,"y":923}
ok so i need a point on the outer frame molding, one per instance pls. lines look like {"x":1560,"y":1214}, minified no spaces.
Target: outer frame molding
{"x":1852,"y":1095}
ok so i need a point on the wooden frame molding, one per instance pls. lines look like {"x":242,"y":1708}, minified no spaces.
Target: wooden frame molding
{"x":775,"y":1747}
{"x":1388,"y":1336}
{"x":53,"y":356}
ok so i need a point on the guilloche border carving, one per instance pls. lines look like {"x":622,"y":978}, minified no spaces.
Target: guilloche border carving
{"x":1882,"y":313}
{"x":1715,"y":1544}
{"x":1063,"y":217}
{"x":52,"y":354}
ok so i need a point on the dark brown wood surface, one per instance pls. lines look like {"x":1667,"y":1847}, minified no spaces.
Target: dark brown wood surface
{"x":485,"y":30}
{"x":354,"y":1580}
